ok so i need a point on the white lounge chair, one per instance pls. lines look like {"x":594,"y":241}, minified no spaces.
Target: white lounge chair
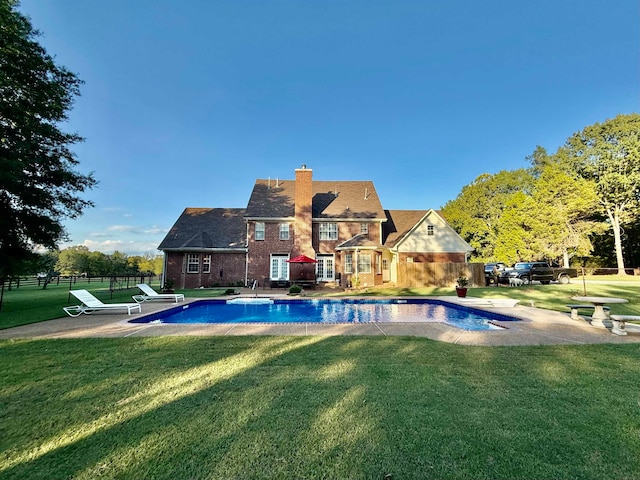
{"x":91,"y":304}
{"x":149,"y":294}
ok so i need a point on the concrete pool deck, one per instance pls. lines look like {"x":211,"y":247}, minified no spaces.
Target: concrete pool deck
{"x":537,"y":327}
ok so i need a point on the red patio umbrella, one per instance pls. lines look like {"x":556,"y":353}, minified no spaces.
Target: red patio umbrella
{"x":302,"y":259}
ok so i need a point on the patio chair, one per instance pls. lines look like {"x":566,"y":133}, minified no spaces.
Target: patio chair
{"x":149,"y":294}
{"x":90,"y":304}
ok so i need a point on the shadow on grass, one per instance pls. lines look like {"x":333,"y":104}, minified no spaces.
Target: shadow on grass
{"x":329,"y":407}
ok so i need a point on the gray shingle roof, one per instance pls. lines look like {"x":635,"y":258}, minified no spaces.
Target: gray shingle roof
{"x":331,"y":200}
{"x":358,"y":241}
{"x":207,"y":228}
{"x":398,"y":224}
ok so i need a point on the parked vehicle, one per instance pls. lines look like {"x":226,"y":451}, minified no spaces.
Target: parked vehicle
{"x":489,"y":274}
{"x":538,"y":271}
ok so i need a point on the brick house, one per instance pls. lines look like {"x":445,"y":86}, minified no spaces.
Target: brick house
{"x":206,"y":247}
{"x":340,"y":224}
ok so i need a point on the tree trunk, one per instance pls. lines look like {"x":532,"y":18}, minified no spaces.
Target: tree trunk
{"x":565,"y":258}
{"x":614,"y":216}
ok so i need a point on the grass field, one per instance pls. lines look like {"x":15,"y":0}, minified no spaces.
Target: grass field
{"x":316,"y":407}
{"x":31,"y":304}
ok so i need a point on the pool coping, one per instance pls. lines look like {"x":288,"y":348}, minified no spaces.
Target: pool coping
{"x":536,"y":327}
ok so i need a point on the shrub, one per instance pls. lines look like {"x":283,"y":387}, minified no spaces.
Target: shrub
{"x":295,"y":289}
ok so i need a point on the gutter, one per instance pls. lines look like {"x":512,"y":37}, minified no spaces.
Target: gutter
{"x":212,"y":250}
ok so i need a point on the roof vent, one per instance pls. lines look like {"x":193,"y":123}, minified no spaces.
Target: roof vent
{"x":304,"y":166}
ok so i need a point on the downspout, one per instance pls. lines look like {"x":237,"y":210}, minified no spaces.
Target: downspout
{"x":356,"y":267}
{"x":246,"y":257}
{"x":163,"y":277}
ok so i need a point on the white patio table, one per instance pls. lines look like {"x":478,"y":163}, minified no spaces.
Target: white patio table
{"x":599,"y":315}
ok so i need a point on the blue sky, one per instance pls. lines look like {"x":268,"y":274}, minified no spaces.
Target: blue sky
{"x":186,"y":103}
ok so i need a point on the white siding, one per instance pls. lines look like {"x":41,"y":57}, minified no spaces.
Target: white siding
{"x":444,"y":238}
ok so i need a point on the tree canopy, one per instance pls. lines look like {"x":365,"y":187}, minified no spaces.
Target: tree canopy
{"x":543,"y":212}
{"x":39,"y":184}
{"x":608,"y":154}
{"x":476,"y":213}
{"x":79,"y":260}
{"x":564,"y":208}
{"x":555,"y":209}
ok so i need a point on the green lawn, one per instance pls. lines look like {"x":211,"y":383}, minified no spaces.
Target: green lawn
{"x":316,"y":407}
{"x":32,"y":304}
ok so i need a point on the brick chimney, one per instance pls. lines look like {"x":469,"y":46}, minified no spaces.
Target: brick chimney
{"x":303,"y":216}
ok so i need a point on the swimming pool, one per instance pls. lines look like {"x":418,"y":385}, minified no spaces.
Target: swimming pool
{"x":263,"y":310}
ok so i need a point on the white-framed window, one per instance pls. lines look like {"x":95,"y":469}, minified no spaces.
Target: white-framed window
{"x":348,"y":263}
{"x":429,"y":230}
{"x":364,"y":228}
{"x":259,"y":231}
{"x":364,"y":263}
{"x":328,"y":231}
{"x":279,"y":267}
{"x":193,"y":263}
{"x":206,"y":263}
{"x":284,"y":231}
{"x":385,"y":264}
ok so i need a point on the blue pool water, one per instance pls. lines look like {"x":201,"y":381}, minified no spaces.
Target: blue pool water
{"x":327,"y":311}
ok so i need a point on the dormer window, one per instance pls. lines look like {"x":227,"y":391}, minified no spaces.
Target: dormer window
{"x":364,"y":228}
{"x":429,"y":230}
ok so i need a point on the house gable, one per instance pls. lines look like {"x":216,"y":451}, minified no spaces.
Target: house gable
{"x":422,"y":231}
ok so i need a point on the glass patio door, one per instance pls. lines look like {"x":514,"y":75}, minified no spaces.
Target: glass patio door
{"x":279,"y":267}
{"x":325,"y":268}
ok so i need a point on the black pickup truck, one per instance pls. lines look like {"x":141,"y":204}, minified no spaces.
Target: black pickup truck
{"x":537,"y":271}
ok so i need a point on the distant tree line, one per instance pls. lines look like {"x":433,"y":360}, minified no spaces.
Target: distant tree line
{"x":78,"y":260}
{"x":578,"y":205}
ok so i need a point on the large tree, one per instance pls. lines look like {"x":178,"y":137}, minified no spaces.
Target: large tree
{"x":608,"y":154}
{"x":74,"y":260}
{"x":475,"y":213}
{"x":565,"y":202}
{"x":39,"y":183}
